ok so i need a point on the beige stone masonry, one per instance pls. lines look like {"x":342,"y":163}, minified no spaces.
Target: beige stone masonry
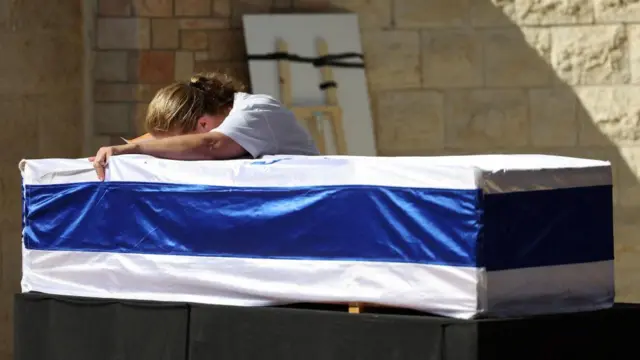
{"x":613,"y":114}
{"x":554,"y":12}
{"x":492,"y":13}
{"x":452,"y":58}
{"x":617,"y":11}
{"x":485,"y":118}
{"x":410,"y":121}
{"x":431,"y":13}
{"x":124,"y":33}
{"x":373,"y":14}
{"x":445,"y":77}
{"x":634,"y":52}
{"x":165,"y":34}
{"x":591,"y":55}
{"x":392,"y":59}
{"x":553,"y":116}
{"x":517,"y":57}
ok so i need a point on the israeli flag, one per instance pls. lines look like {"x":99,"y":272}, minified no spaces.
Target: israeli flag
{"x":495,"y":235}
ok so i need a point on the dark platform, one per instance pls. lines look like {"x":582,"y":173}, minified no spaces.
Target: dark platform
{"x":66,"y":328}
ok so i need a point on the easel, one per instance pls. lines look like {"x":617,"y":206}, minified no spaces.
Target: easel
{"x":314,"y":116}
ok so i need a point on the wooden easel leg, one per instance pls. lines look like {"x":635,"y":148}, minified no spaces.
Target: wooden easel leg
{"x":331,"y":98}
{"x":284,"y":75}
{"x":355,"y":308}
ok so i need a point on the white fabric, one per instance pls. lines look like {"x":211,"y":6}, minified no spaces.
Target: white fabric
{"x":492,"y":173}
{"x":458,"y":292}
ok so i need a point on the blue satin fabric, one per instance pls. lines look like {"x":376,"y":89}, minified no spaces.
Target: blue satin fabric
{"x":545,"y":228}
{"x":357,"y":223}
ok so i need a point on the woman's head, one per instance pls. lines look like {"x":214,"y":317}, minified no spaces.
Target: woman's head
{"x":195,"y":106}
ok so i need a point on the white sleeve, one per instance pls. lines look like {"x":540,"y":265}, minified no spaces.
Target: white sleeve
{"x":251,"y":130}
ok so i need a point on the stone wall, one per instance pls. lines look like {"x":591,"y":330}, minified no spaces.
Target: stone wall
{"x":445,"y":77}
{"x":41,"y":92}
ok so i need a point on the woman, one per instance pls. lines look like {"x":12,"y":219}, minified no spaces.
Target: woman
{"x":210,"y":117}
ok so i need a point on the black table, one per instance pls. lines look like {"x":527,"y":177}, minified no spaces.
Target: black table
{"x":51,"y":327}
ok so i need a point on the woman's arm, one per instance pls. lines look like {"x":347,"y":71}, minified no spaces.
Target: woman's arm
{"x":208,"y":146}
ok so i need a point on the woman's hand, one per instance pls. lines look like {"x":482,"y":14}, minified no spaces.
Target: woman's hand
{"x":101,"y":160}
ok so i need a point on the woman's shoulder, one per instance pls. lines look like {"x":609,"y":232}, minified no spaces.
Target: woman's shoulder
{"x":247,"y":102}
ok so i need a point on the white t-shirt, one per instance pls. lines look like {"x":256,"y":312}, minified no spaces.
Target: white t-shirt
{"x":262,"y":126}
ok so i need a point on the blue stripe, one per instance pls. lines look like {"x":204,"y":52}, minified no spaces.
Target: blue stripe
{"x":544,"y":228}
{"x":357,"y":223}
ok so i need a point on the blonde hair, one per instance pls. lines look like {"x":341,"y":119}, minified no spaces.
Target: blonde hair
{"x":177,"y":107}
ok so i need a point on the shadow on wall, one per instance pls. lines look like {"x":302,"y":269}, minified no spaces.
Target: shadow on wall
{"x":487,"y":85}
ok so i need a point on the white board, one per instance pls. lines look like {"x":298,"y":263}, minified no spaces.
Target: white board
{"x":300,"y":32}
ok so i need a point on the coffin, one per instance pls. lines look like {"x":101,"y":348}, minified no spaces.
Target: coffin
{"x":463,"y":237}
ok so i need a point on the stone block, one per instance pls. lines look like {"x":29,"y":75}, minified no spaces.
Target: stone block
{"x":60,"y":123}
{"x":221,"y":8}
{"x":627,"y":271}
{"x":410,"y":121}
{"x":629,"y":177}
{"x":554,"y":12}
{"x":11,"y":229}
{"x":634,"y":52}
{"x":165,"y":34}
{"x":515,"y":57}
{"x":282,"y":5}
{"x":115,"y":7}
{"x":96,"y":142}
{"x":123,"y":34}
{"x":19,"y":130}
{"x":240,"y":8}
{"x":110,"y":66}
{"x":10,"y":224}
{"x":609,"y":115}
{"x":431,"y":13}
{"x":553,"y":117}
{"x":616,"y":11}
{"x":372,"y":14}
{"x":112,"y":118}
{"x":10,"y":235}
{"x":5,"y":16}
{"x":145,"y":92}
{"x":156,"y":67}
{"x":153,"y":8}
{"x":36,"y":61}
{"x":591,"y":55}
{"x":226,"y":45}
{"x":451,"y":59}
{"x":200,"y":55}
{"x":193,"y":40}
{"x":625,"y":217}
{"x":139,"y":112}
{"x":492,"y":13}
{"x":392,"y":59}
{"x":477,"y":119}
{"x":184,"y":63}
{"x":193,"y":7}
{"x":109,"y":92}
{"x":6,"y":324}
{"x":62,"y":15}
{"x":204,"y":24}
{"x":311,"y":5}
